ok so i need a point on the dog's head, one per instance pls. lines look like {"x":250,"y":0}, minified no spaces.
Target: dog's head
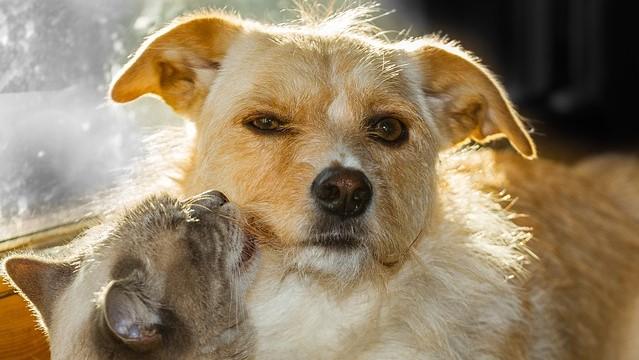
{"x":331,"y":135}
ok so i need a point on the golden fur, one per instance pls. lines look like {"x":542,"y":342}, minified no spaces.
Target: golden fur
{"x":446,"y":268}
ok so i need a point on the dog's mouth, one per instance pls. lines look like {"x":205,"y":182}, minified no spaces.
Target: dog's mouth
{"x":336,"y":235}
{"x":340,"y":254}
{"x":337,"y":242}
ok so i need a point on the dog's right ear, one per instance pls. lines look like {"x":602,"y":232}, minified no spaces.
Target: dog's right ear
{"x":474,"y":104}
{"x":179,"y":62}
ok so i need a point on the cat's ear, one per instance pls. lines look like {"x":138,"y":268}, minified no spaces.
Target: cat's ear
{"x":473,"y":103}
{"x":130,"y":316}
{"x":39,"y":281}
{"x":179,"y":62}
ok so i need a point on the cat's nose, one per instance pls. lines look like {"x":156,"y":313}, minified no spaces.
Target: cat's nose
{"x":211,"y":199}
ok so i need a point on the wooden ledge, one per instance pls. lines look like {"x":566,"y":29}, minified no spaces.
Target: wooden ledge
{"x":19,"y":337}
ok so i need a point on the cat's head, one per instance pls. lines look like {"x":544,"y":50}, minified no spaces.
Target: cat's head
{"x":169,"y":279}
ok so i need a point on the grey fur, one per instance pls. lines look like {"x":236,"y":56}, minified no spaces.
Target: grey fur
{"x":169,"y":282}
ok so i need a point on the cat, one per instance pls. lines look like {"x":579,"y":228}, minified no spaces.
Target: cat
{"x":163,"y":280}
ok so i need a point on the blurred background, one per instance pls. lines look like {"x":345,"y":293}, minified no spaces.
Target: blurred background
{"x":569,"y":65}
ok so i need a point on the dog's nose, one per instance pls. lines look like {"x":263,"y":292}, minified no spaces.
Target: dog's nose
{"x":341,"y":191}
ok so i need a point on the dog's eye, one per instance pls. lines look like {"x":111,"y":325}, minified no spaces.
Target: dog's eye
{"x":265,"y":124}
{"x":388,"y":130}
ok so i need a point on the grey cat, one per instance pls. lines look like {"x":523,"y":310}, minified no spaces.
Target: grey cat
{"x":165,"y":280}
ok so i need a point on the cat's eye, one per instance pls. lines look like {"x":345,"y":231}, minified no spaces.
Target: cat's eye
{"x":265,"y":124}
{"x":388,"y":130}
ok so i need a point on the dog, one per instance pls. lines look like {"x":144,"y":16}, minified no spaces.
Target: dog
{"x":386,"y":239}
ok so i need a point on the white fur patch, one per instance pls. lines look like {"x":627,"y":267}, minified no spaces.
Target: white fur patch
{"x":345,"y":157}
{"x":306,"y":322}
{"x":339,"y":110}
{"x":339,"y":154}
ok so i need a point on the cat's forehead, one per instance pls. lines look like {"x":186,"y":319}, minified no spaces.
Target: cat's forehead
{"x":157,"y":212}
{"x":164,"y":240}
{"x":161,"y":218}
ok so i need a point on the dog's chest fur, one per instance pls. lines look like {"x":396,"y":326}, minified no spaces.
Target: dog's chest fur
{"x":419,"y":315}
{"x":299,"y":319}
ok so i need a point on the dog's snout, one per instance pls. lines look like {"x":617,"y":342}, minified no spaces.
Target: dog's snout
{"x":345,"y":192}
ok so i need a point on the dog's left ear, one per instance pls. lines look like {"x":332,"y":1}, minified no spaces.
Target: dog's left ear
{"x":473,"y":103}
{"x":179,"y":62}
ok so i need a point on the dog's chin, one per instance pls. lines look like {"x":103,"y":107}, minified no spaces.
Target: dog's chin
{"x":341,"y":258}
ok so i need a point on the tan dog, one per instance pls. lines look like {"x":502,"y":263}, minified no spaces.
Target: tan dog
{"x":383,"y":244}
